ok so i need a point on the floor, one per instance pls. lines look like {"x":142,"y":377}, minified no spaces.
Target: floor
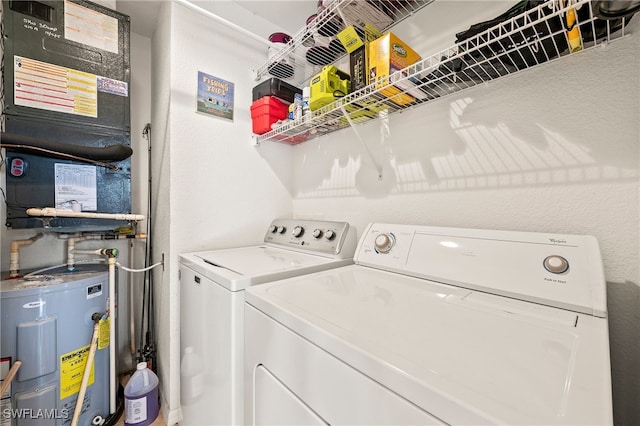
{"x":159,"y":421}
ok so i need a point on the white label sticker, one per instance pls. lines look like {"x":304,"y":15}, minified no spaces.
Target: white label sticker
{"x":90,"y":27}
{"x":54,"y":88}
{"x":75,"y":187}
{"x":136,"y":410}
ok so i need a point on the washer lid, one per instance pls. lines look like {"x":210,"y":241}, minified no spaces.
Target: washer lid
{"x":461,"y":355}
{"x":237,"y":268}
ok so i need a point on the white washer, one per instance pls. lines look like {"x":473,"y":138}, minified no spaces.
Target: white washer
{"x":435,"y":326}
{"x":212,"y":285}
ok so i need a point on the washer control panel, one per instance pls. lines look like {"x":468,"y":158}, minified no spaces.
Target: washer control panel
{"x":323,"y":237}
{"x":558,"y":270}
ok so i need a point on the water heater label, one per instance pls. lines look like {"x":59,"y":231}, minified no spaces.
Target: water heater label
{"x":104,"y":333}
{"x":71,"y":371}
{"x":94,"y":291}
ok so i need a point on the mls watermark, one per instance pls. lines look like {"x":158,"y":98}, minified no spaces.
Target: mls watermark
{"x":35,"y":413}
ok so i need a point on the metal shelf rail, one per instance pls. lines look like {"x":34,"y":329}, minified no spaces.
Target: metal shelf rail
{"x":531,"y":38}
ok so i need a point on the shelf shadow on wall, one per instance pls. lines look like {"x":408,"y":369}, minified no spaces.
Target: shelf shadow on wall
{"x":550,"y":127}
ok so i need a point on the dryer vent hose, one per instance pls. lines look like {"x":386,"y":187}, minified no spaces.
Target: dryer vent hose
{"x":36,"y":146}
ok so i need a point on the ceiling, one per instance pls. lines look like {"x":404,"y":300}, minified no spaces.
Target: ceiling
{"x":266,"y":15}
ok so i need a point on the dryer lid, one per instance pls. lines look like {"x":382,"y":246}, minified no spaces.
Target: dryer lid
{"x":458,"y":354}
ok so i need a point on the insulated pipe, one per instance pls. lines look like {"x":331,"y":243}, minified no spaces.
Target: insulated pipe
{"x":14,"y":268}
{"x":87,"y":370}
{"x":51,"y":212}
{"x":23,"y":143}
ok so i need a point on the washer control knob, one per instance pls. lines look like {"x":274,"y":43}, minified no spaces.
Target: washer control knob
{"x":273,"y":229}
{"x":317,"y":233}
{"x":556,"y":264}
{"x":281,"y":229}
{"x":330,"y":234}
{"x":298,"y":231}
{"x":384,"y":242}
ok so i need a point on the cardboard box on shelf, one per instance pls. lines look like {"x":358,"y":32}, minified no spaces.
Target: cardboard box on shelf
{"x":388,"y":55}
{"x":356,"y":41}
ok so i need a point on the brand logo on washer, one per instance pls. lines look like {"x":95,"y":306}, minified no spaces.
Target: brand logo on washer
{"x":555,"y":241}
{"x":36,"y":304}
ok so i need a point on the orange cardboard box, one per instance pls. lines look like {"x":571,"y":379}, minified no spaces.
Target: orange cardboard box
{"x":387,"y":55}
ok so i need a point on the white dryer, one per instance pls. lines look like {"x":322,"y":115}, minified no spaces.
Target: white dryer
{"x":212,"y":285}
{"x":435,"y":326}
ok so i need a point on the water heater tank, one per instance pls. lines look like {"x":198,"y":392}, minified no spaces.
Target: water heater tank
{"x":46,"y":324}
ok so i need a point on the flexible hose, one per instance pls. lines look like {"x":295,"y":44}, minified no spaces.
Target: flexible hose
{"x":148,"y":268}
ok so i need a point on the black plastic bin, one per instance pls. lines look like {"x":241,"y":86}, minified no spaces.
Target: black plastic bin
{"x":275,"y":87}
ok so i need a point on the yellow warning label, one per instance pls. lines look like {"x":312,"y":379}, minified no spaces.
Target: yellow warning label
{"x":103,"y":333}
{"x":71,"y":371}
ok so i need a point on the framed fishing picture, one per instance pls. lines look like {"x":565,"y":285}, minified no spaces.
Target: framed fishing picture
{"x":215,"y":96}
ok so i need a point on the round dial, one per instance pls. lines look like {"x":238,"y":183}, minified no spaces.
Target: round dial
{"x":556,"y":264}
{"x":317,"y":233}
{"x":273,"y":229}
{"x":281,"y":229}
{"x":298,"y":231}
{"x":330,"y":235}
{"x":384,"y":242}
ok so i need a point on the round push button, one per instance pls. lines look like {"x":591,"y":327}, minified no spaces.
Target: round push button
{"x":556,"y":264}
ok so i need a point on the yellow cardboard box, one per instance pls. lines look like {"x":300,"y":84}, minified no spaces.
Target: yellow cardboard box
{"x":387,"y":55}
{"x":357,"y":45}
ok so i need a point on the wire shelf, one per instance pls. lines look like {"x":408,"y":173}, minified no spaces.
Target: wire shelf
{"x":531,"y":38}
{"x":316,"y":44}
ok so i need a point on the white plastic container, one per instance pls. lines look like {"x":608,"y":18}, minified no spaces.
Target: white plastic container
{"x":191,"y":376}
{"x":141,"y":397}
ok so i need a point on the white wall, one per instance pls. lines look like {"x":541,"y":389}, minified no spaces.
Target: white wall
{"x":213,"y":188}
{"x":555,"y":149}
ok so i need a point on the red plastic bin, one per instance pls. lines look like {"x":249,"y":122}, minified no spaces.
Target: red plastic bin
{"x":266,"y":111}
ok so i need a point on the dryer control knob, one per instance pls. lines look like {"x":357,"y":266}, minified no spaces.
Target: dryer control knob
{"x":298,"y":231}
{"x":556,"y":264}
{"x":317,"y":233}
{"x":384,"y":242}
{"x":281,"y":229}
{"x":330,"y":234}
{"x":273,"y":229}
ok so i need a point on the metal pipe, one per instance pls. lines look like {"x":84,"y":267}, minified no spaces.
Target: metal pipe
{"x":14,"y":268}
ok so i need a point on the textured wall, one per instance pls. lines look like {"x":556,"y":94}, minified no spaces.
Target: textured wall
{"x":554,"y":149}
